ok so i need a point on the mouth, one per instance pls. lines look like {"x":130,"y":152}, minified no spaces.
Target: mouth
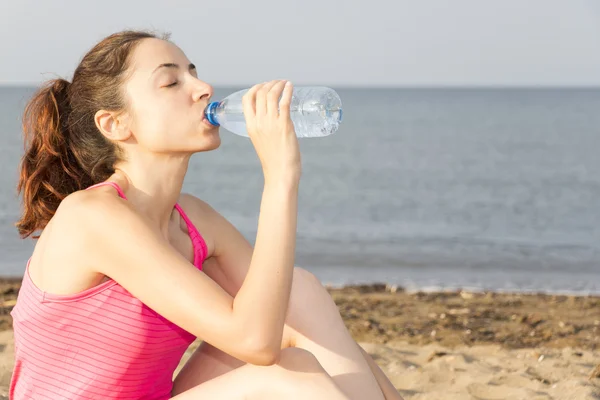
{"x":205,"y":121}
{"x":209,"y":125}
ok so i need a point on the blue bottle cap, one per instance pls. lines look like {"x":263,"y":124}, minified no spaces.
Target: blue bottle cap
{"x":209,"y":112}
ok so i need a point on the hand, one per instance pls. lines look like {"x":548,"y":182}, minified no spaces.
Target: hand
{"x":271,"y":129}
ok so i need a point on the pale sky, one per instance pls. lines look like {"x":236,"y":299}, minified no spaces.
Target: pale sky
{"x":333,"y":42}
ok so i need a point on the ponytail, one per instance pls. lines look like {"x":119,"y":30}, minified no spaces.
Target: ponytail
{"x":64,"y":150}
{"x":49,"y":170}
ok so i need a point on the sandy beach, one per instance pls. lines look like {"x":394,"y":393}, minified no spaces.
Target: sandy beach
{"x":452,"y":345}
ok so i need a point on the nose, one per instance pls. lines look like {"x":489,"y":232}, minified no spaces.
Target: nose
{"x":202,"y":91}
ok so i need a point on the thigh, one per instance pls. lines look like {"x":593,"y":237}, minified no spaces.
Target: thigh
{"x":297,"y":375}
{"x":313,"y":323}
{"x":208,"y":362}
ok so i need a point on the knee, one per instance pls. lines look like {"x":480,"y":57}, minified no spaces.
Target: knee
{"x":308,"y":296}
{"x":305,"y":279}
{"x":307,"y":288}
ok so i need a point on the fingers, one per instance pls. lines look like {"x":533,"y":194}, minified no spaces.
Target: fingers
{"x":261,"y":98}
{"x":249,"y":102}
{"x":286,"y":100}
{"x":273,"y":98}
{"x":270,"y":99}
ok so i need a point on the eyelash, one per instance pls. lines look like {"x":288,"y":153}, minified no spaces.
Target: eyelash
{"x":174,"y":83}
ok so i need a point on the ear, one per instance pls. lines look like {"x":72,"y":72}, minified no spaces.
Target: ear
{"x":112,"y":125}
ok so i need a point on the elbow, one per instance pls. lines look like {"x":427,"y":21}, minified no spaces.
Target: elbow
{"x":265,"y":358}
{"x":262,"y":352}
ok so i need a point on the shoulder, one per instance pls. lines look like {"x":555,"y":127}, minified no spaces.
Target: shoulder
{"x":195,"y":205}
{"x":211,"y":224}
{"x":84,"y":216}
{"x":200,"y":212}
{"x":100,"y":204}
{"x":81,"y":222}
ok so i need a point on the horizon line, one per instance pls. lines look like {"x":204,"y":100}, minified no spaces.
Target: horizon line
{"x":31,"y":85}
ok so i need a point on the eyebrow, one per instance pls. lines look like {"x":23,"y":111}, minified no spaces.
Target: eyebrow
{"x":172,"y":65}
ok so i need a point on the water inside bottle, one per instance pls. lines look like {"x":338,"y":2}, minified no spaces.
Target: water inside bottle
{"x":316,"y":117}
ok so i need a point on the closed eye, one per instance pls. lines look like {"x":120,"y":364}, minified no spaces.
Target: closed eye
{"x":172,"y":84}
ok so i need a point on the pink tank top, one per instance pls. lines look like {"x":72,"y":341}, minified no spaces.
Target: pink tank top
{"x":101,"y":343}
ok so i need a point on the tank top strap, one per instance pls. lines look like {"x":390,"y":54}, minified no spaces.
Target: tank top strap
{"x":200,"y":248}
{"x":198,"y":242}
{"x":113,"y":184}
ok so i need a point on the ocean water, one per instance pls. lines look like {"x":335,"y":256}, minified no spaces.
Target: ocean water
{"x":483,"y":189}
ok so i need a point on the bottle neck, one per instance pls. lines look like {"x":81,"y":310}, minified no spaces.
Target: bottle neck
{"x":210,"y":113}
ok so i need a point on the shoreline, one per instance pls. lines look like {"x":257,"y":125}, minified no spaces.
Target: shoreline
{"x":458,"y":289}
{"x":376,"y":285}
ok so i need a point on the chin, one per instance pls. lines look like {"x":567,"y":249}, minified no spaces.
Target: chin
{"x":216,"y":144}
{"x":210,"y":141}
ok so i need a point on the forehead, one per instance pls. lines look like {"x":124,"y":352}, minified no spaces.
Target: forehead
{"x":150,"y":53}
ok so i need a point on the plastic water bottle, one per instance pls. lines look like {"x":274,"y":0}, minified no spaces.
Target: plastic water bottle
{"x":315,"y":111}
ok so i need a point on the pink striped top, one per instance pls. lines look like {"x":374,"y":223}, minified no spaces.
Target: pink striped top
{"x":101,"y":343}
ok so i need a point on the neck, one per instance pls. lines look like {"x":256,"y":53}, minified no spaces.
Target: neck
{"x":154,"y":185}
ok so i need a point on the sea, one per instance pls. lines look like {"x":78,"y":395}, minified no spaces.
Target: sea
{"x":479,"y":189}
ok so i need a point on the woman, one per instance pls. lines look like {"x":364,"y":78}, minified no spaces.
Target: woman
{"x":128,"y":271}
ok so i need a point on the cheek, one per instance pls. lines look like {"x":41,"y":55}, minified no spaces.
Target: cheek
{"x":151,"y":131}
{"x":163,"y":125}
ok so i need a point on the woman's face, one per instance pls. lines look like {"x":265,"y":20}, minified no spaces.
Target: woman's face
{"x":166,"y":101}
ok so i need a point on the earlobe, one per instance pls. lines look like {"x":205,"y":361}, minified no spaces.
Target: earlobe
{"x":111,"y":125}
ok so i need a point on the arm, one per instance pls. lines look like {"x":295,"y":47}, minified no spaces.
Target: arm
{"x":120,"y":244}
{"x":232,"y":263}
{"x":263,"y":297}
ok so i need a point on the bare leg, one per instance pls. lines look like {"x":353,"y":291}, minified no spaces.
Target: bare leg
{"x":298,"y":375}
{"x":313,"y":324}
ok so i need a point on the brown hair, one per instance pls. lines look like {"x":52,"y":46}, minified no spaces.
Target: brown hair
{"x":64,"y":151}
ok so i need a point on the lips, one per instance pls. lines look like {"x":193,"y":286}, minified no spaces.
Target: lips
{"x":205,"y":121}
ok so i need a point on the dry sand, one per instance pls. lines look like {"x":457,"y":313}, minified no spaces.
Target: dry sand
{"x":452,"y":346}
